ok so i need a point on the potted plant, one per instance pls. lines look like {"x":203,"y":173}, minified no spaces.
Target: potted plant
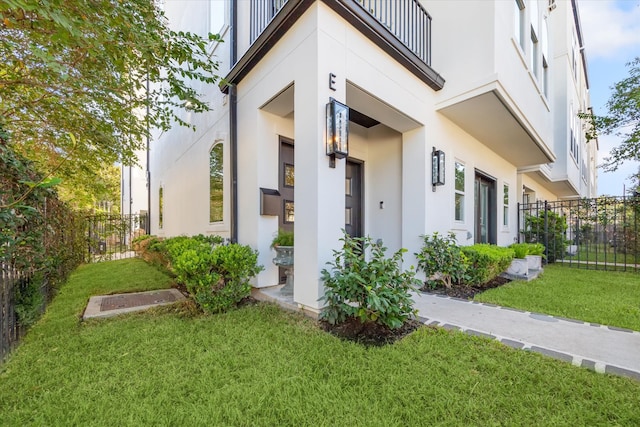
{"x":519,"y":265}
{"x":282,"y":243}
{"x":534,"y":256}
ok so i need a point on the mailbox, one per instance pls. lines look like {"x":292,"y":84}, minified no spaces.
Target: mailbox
{"x":269,"y":201}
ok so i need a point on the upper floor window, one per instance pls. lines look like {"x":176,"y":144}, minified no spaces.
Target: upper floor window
{"x":573,"y":137}
{"x":216,"y":183}
{"x":535,"y":54}
{"x":520,"y":23}
{"x":217,"y":15}
{"x":459,"y":192}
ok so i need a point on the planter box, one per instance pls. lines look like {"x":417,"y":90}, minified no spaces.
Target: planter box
{"x":535,"y":262}
{"x":519,"y":268}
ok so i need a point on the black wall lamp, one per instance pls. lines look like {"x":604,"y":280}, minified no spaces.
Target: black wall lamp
{"x":437,"y":168}
{"x":337,"y":131}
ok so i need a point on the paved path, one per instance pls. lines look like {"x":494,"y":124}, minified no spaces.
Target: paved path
{"x":601,"y":348}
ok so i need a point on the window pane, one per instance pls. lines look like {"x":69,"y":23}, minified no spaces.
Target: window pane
{"x":506,"y":194}
{"x":216,"y":184}
{"x":459,"y":177}
{"x":288,"y":211}
{"x":289,"y":175}
{"x":160,"y":206}
{"x":459,"y":207}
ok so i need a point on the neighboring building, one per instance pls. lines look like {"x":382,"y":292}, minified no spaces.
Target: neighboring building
{"x":494,"y":86}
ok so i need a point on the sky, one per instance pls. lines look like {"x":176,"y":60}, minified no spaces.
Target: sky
{"x":611,"y":35}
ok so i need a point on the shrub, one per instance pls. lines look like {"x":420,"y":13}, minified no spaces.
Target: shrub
{"x":548,"y":228}
{"x":376,"y":290}
{"x":283,"y":238}
{"x":521,"y":250}
{"x":536,"y":249}
{"x":217,"y":277}
{"x":441,"y":259}
{"x":486,"y":262}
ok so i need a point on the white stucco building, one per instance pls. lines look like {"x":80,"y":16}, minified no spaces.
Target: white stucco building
{"x":493,"y":85}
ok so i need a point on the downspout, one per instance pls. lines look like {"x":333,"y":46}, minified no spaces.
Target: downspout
{"x":233,"y":126}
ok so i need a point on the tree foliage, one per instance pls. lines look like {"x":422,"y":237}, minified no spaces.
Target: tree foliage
{"x":83,"y":67}
{"x":622,"y":119}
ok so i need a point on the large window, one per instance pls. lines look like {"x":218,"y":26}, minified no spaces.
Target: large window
{"x":459,"y":192}
{"x":216,"y":183}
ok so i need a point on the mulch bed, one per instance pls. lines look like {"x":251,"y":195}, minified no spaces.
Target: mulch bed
{"x":464,"y":291}
{"x":370,"y":334}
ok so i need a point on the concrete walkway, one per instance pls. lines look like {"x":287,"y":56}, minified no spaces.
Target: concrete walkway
{"x":598,"y":347}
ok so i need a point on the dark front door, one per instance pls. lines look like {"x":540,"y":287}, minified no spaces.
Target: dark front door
{"x":353,"y":198}
{"x":286,"y":181}
{"x":485,"y":209}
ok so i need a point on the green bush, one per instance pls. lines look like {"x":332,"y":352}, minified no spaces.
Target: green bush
{"x":283,"y":238}
{"x":548,"y":228}
{"x":376,"y":290}
{"x":521,"y":250}
{"x":217,"y":276}
{"x":441,"y":259}
{"x":486,"y":262}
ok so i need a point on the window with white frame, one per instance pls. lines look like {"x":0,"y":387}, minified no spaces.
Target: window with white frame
{"x":459,"y":192}
{"x":573,"y":137}
{"x":544,"y":36}
{"x":160,"y":207}
{"x":534,"y":54}
{"x":505,"y":205}
{"x":217,"y":15}
{"x":520,"y":23}
{"x":216,"y":183}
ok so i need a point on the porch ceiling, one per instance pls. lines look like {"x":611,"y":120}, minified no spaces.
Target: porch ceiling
{"x":376,"y":109}
{"x":488,"y":118}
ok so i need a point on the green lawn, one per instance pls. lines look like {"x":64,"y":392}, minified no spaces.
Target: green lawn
{"x":602,"y":253}
{"x":260,"y":366}
{"x":605,"y":297}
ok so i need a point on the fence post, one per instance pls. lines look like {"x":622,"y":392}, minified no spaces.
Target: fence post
{"x":518,"y":222}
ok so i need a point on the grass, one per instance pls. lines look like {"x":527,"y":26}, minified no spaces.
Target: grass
{"x":260,"y":366}
{"x":605,"y":297}
{"x":602,"y":253}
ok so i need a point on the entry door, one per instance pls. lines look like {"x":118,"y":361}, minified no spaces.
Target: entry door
{"x":353,"y":221}
{"x":286,"y":183}
{"x":485,"y":210}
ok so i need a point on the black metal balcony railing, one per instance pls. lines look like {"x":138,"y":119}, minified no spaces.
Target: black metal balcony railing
{"x":407,"y":20}
{"x":262,"y":12}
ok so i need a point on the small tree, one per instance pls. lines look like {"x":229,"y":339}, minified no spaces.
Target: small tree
{"x":376,"y":290}
{"x":622,"y":119}
{"x":441,"y":259}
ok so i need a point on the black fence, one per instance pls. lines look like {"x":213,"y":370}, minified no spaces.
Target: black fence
{"x":109,"y":236}
{"x":600,"y":234}
{"x":14,"y":286}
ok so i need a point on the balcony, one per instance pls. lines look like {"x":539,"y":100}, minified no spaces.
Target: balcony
{"x":401,"y":28}
{"x":407,"y":20}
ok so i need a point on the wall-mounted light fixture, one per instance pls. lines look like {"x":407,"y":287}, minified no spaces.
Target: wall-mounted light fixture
{"x":337,"y":131}
{"x":437,"y":168}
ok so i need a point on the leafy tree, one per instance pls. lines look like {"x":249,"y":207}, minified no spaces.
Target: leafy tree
{"x":94,"y":69}
{"x":622,"y":119}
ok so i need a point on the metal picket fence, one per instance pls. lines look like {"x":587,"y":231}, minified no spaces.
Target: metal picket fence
{"x":109,"y":236}
{"x":601,"y":233}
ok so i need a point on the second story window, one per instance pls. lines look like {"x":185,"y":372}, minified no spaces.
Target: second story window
{"x":520,"y":23}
